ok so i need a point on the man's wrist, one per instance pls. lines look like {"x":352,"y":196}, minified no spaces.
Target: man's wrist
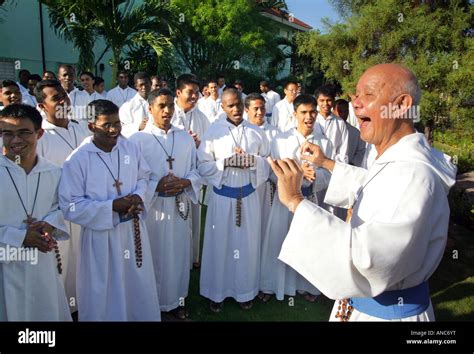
{"x":328,"y":164}
{"x":294,"y":202}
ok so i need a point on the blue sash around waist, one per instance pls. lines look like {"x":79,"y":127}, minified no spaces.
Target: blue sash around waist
{"x":395,"y":304}
{"x":235,"y":192}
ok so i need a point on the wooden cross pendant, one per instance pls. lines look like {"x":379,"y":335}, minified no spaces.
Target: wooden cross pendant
{"x":29,"y":220}
{"x":170,"y":162}
{"x":117,"y":185}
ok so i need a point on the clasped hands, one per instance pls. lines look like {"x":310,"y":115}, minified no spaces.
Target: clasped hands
{"x":131,"y":204}
{"x":290,"y":174}
{"x":39,"y":235}
{"x":171,"y":185}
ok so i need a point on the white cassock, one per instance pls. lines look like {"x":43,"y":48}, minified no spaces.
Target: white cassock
{"x":30,"y":291}
{"x":56,"y":145}
{"x":355,"y":146}
{"x":231,"y":254}
{"x":132,"y":114}
{"x":212,"y":109}
{"x":196,"y":121}
{"x":271,"y":99}
{"x":395,"y":238}
{"x":110,"y":286}
{"x":79,"y":101}
{"x":266,"y":190}
{"x":170,"y":234}
{"x":201,"y":104}
{"x":369,"y":156}
{"x":276,"y":277}
{"x":282,"y":115}
{"x":26,"y":98}
{"x":95,"y":96}
{"x":119,"y":95}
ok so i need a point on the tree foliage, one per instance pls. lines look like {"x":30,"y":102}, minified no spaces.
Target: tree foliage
{"x":433,"y":38}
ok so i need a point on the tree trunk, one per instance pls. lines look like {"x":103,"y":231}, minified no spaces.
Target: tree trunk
{"x":115,"y":66}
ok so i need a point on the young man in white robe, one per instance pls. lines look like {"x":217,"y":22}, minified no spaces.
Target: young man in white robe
{"x":282,"y":113}
{"x":26,"y":98}
{"x":104,"y":186}
{"x":10,"y":93}
{"x":188,"y":117}
{"x":79,"y":99}
{"x":30,"y":223}
{"x":231,"y":159}
{"x":171,"y":154}
{"x":122,"y":92}
{"x":134,"y":114}
{"x":377,"y":265}
{"x":271,"y":98}
{"x":213,"y":106}
{"x":61,"y":137}
{"x":87,"y":81}
{"x":276,"y":277}
{"x":255,"y":109}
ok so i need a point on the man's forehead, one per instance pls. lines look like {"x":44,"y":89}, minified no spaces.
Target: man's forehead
{"x":371,"y":80}
{"x":305,"y":107}
{"x":19,"y":123}
{"x":230,"y":97}
{"x":10,"y":89}
{"x":108,"y":118}
{"x":163,"y":99}
{"x":257,"y":103}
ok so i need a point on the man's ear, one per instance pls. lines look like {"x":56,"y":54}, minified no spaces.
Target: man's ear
{"x":91,"y":127}
{"x":39,"y":133}
{"x":41,"y":106}
{"x":402,"y":106}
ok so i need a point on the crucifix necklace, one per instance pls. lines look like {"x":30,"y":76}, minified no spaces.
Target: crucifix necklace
{"x":65,"y":140}
{"x":29,"y":216}
{"x":170,"y":156}
{"x":237,"y":144}
{"x":117,"y":182}
{"x":238,"y":216}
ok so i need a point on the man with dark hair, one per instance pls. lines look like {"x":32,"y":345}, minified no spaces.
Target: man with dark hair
{"x":23,"y":77}
{"x":275,"y":277}
{"x":270,"y":96}
{"x":355,"y":145}
{"x":87,"y":81}
{"x":203,"y":96}
{"x":171,"y":154}
{"x":104,"y":188}
{"x":122,"y":92}
{"x":134,"y":114}
{"x":239,"y":86}
{"x":30,"y":221}
{"x":282,"y":114}
{"x":155,"y":82}
{"x":212,"y":107}
{"x":61,"y":137}
{"x":11,"y":93}
{"x":220,"y":85}
{"x":49,"y":75}
{"x":188,"y":117}
{"x":232,"y":161}
{"x":32,"y":81}
{"x":79,"y":99}
{"x":99,"y":86}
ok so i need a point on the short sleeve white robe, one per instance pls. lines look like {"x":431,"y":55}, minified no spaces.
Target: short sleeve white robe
{"x":397,"y":233}
{"x":231,"y":255}
{"x":56,"y":145}
{"x":276,"y":277}
{"x":282,"y":115}
{"x":28,"y":291}
{"x":132,"y":113}
{"x":169,"y":233}
{"x":110,"y":286}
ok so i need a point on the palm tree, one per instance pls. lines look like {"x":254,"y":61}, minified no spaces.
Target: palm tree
{"x":118,"y":22}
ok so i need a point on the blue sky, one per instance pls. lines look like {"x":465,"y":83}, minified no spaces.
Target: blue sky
{"x":312,"y":11}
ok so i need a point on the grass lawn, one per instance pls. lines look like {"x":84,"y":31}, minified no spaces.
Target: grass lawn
{"x":452,"y":291}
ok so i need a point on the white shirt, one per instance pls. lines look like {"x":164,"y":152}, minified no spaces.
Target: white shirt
{"x":132,"y":113}
{"x":79,"y":101}
{"x":335,"y":130}
{"x":193,"y":120}
{"x":26,"y":98}
{"x":119,"y":95}
{"x":271,"y":99}
{"x":282,"y":115}
{"x":213,"y":108}
{"x":95,"y":96}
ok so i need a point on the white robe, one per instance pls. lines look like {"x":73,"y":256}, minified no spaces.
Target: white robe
{"x":28,"y":291}
{"x":196,"y":121}
{"x":335,"y":130}
{"x":275,"y":276}
{"x":212,"y":109}
{"x":79,"y":101}
{"x":55,"y":149}
{"x":110,"y":286}
{"x":282,"y":115}
{"x":132,"y":113}
{"x":119,"y":95}
{"x":396,"y":236}
{"x":231,"y":254}
{"x":170,"y":235}
{"x":271,"y":99}
{"x":26,"y":98}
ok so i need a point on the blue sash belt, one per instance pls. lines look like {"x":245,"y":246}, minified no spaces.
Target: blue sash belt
{"x":395,"y":304}
{"x":307,"y":191}
{"x":235,"y":192}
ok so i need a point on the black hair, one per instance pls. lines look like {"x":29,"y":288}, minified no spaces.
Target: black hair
{"x":101,"y":108}
{"x":264,"y":83}
{"x":186,"y":79}
{"x":341,"y":102}
{"x":67,"y":66}
{"x":35,"y":77}
{"x":23,"y":71}
{"x":290,"y":82}
{"x":98,"y":80}
{"x":253,"y":97}
{"x":120,"y":72}
{"x":157,"y":93}
{"x":324,"y":90}
{"x":140,"y":76}
{"x":304,"y":99}
{"x":23,"y":111}
{"x":50,"y":72}
{"x":38,"y":90}
{"x":6,"y":83}
{"x":88,"y":73}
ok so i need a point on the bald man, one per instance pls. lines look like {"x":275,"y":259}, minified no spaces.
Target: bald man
{"x":376,"y":265}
